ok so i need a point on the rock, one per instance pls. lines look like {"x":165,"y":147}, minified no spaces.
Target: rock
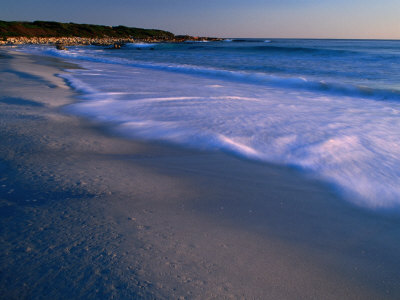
{"x":60,"y":47}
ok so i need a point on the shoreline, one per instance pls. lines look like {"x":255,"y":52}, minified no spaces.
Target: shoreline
{"x":116,"y":218}
{"x":81,"y":41}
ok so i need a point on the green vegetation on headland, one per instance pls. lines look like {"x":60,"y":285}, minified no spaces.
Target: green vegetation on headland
{"x":56,"y":29}
{"x":44,"y":32}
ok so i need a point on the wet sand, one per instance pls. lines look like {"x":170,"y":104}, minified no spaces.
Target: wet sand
{"x":89,"y":215}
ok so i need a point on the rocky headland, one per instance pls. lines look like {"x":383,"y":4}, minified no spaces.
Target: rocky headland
{"x":70,"y":34}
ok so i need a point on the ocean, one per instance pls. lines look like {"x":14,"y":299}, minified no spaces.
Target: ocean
{"x":330,"y":108}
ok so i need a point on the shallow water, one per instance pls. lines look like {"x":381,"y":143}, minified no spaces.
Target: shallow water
{"x":329,"y":107}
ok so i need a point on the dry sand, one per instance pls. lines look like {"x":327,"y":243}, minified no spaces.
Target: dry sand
{"x":87,"y":215}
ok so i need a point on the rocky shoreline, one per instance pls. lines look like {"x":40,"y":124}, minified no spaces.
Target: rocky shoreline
{"x":71,"y":34}
{"x":107,"y":41}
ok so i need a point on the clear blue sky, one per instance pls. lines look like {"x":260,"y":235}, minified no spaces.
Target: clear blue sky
{"x":224,"y":18}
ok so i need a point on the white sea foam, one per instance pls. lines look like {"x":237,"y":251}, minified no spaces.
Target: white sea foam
{"x":334,"y":130}
{"x":351,"y":142}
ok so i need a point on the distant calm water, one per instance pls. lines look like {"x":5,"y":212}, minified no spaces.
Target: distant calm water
{"x":329,"y":107}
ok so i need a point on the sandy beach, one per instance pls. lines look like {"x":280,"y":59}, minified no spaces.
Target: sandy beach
{"x":86,"y":214}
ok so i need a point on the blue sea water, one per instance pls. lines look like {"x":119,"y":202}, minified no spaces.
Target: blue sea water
{"x":328,"y":107}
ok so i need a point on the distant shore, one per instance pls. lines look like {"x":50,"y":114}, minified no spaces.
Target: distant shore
{"x":79,"y":41}
{"x":71,"y":34}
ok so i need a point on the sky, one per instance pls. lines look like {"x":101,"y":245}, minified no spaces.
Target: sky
{"x":373,"y":19}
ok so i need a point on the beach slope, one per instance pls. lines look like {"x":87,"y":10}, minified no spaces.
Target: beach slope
{"x":89,"y":215}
